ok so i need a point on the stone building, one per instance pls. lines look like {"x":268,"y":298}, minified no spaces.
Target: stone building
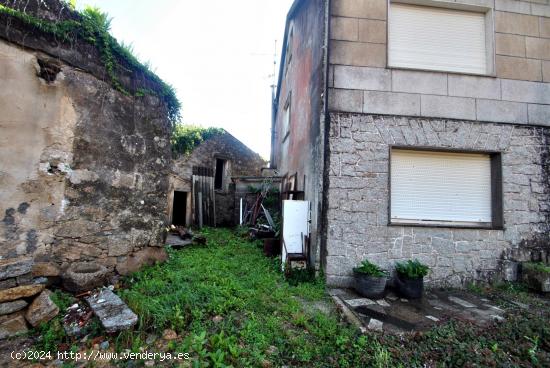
{"x":421,"y":129}
{"x":84,"y":145}
{"x":214,"y":162}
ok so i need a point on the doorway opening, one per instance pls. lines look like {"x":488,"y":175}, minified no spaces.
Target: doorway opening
{"x":179,"y":208}
{"x":220,"y":173}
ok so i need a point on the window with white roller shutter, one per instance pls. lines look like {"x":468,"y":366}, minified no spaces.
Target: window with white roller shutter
{"x":440,"y":39}
{"x":442,"y":187}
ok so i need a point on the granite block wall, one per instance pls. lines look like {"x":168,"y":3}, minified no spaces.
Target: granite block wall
{"x":358,"y":197}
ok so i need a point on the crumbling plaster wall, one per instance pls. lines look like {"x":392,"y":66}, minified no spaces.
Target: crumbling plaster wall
{"x":83,"y":168}
{"x":359,"y":193}
{"x":242,"y":162}
{"x":301,"y":151}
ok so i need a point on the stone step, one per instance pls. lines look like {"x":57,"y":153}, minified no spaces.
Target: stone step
{"x":112,"y":312}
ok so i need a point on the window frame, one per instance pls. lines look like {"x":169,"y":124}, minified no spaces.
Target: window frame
{"x":489,"y":33}
{"x":289,"y":44}
{"x":287,"y":109}
{"x":497,"y":194}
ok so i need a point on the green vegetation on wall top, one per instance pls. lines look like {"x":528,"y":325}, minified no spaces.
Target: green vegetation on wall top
{"x":92,"y":26}
{"x":186,"y":137}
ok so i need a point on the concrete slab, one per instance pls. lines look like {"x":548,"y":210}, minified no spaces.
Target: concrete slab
{"x":359,"y":302}
{"x":461,"y":302}
{"x":112,"y":312}
{"x":397,"y":316}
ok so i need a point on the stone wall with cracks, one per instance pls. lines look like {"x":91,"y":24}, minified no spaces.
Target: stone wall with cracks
{"x":83,"y":168}
{"x":357,"y":214}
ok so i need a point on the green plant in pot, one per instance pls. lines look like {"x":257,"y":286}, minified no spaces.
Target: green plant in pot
{"x":409,"y":280}
{"x":370,"y":280}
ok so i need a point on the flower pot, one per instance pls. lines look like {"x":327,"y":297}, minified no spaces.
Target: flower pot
{"x":272,"y":247}
{"x":370,"y":286}
{"x":409,"y":288}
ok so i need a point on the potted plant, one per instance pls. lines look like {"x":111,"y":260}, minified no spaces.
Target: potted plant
{"x":370,"y":280}
{"x":409,"y":280}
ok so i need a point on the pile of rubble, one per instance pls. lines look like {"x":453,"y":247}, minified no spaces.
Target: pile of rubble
{"x":24,"y":299}
{"x":25,"y":302}
{"x":179,"y":237}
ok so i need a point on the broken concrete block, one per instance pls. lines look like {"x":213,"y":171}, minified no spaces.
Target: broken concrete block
{"x":84,"y":276}
{"x":12,"y":325}
{"x":42,"y":309}
{"x":15,"y":267}
{"x":19,"y":292}
{"x":112,"y":312}
{"x":45,"y":269}
{"x":510,"y":271}
{"x":11,"y":307}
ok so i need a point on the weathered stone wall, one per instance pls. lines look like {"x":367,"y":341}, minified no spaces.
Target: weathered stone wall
{"x":83,"y":168}
{"x":242,"y":161}
{"x":302,"y":81}
{"x":359,"y":193}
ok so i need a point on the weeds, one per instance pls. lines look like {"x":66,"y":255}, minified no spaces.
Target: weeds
{"x":231,"y":306}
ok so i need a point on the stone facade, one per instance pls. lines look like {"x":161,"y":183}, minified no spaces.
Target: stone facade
{"x":241,"y":161}
{"x":367,"y":106}
{"x":515,"y":91}
{"x":83,"y":167}
{"x":359,"y":194}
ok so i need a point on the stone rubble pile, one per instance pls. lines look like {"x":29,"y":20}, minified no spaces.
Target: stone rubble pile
{"x":24,"y":299}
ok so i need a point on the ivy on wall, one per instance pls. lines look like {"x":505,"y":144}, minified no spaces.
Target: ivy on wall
{"x":92,"y":26}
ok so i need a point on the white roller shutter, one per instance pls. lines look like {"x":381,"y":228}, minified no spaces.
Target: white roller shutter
{"x":443,"y":39}
{"x":440,"y":187}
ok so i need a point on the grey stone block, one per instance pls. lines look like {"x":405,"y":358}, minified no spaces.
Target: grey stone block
{"x":11,"y":307}
{"x":501,"y":111}
{"x":346,"y":100}
{"x":513,"y":6}
{"x":522,"y":91}
{"x":484,"y":3}
{"x":477,"y":87}
{"x":112,"y":312}
{"x":8,"y":284}
{"x":540,"y":9}
{"x":448,"y":107}
{"x":419,"y":82}
{"x":539,"y":114}
{"x":15,"y":267}
{"x":350,"y":77}
{"x":391,"y":103}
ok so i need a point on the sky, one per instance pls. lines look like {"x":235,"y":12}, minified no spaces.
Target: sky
{"x":218,"y":54}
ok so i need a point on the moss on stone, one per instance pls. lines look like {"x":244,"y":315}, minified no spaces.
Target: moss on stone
{"x":92,"y":27}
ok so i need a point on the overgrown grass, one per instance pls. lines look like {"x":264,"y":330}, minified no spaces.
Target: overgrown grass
{"x":269,"y":322}
{"x":231,"y":306}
